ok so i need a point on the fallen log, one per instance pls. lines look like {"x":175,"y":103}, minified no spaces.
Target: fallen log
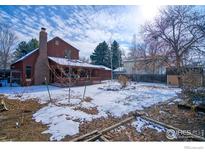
{"x":197,"y":108}
{"x":200,"y":108}
{"x":184,"y":106}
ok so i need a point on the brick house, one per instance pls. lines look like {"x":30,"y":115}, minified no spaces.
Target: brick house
{"x":32,"y":68}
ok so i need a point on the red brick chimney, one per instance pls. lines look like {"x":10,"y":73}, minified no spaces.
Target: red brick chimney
{"x":41,"y":66}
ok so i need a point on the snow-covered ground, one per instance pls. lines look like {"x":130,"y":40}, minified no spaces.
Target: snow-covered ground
{"x":63,"y":117}
{"x":140,"y":124}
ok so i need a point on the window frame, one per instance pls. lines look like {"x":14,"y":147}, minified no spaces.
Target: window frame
{"x":26,"y":72}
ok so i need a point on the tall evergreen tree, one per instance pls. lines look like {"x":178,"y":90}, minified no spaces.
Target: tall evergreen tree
{"x":33,"y":44}
{"x":116,"y":55}
{"x":25,"y":47}
{"x":100,"y":56}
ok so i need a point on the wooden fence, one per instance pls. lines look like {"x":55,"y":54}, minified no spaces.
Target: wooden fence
{"x":157,"y":78}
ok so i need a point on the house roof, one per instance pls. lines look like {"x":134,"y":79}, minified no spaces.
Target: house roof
{"x":35,"y":50}
{"x":106,"y":68}
{"x":25,"y":56}
{"x":119,"y":69}
{"x":75,"y":63}
{"x":142,"y":58}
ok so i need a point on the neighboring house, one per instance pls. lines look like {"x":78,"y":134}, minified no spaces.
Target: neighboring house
{"x":33,"y":68}
{"x":143,"y":66}
{"x":119,"y":70}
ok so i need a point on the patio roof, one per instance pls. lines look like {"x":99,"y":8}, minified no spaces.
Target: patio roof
{"x":75,"y":63}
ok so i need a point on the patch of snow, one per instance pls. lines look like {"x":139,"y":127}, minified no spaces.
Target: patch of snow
{"x":60,"y":127}
{"x":62,"y":120}
{"x":162,"y":112}
{"x":178,"y":100}
{"x":47,"y":113}
{"x":198,"y":102}
{"x":87,"y":105}
{"x":118,"y":129}
{"x":141,"y":124}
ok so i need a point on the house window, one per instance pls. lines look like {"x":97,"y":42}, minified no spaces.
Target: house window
{"x":56,"y":42}
{"x":28,"y":72}
{"x":67,"y":54}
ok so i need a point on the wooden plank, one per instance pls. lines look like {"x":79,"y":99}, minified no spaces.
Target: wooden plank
{"x":103,"y":138}
{"x":97,"y":133}
{"x":80,"y":138}
{"x":94,"y":138}
{"x":101,"y":132}
{"x":3,"y":138}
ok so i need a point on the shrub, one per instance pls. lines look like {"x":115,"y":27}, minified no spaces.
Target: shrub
{"x":123,"y":80}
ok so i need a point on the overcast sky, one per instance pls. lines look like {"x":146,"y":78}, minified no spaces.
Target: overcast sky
{"x":82,"y":26}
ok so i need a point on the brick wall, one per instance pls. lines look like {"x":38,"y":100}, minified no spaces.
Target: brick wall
{"x":41,"y":66}
{"x":57,"y":48}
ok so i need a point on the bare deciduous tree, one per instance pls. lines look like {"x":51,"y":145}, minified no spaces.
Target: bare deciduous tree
{"x":7,"y":43}
{"x":148,"y":55}
{"x":84,"y":59}
{"x":179,"y":29}
{"x":137,"y":49}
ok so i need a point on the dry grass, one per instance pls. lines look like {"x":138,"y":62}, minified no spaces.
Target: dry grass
{"x":21,"y":113}
{"x":87,"y":99}
{"x":92,"y":111}
{"x":123,"y":80}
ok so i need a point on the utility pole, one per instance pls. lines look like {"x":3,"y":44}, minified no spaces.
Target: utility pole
{"x":119,"y":58}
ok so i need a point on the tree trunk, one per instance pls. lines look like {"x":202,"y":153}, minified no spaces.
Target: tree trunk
{"x":178,"y":65}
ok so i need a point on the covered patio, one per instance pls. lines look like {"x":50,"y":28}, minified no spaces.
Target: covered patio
{"x":66,"y":72}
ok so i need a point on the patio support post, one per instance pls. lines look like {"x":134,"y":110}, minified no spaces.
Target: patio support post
{"x":69,"y":83}
{"x":90,"y":71}
{"x":11,"y":78}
